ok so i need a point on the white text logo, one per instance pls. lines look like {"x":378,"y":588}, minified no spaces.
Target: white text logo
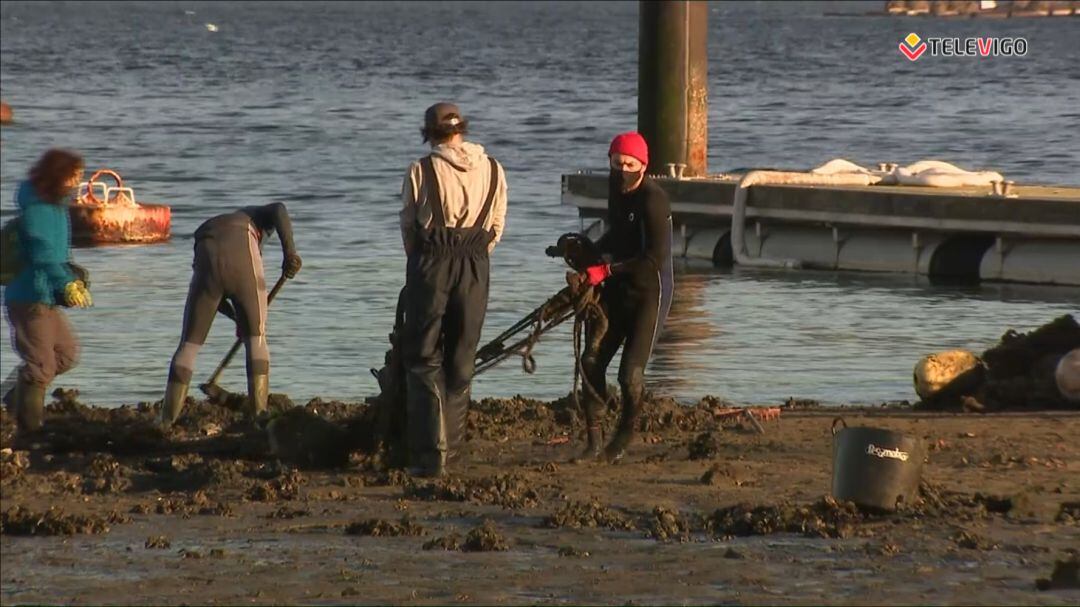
{"x":873,"y":449}
{"x":913,"y":46}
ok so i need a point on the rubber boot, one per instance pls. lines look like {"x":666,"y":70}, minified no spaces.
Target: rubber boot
{"x":455,"y":417}
{"x":29,"y":406}
{"x":594,"y":433}
{"x":593,"y":446}
{"x":173,"y":404}
{"x":428,"y":464}
{"x":624,"y":432}
{"x":258,"y":394}
{"x":426,"y":432}
{"x":9,"y":400}
{"x":594,"y":406}
{"x":11,"y":382}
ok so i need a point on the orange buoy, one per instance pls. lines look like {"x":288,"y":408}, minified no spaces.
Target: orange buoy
{"x":110,"y":215}
{"x":5,"y":113}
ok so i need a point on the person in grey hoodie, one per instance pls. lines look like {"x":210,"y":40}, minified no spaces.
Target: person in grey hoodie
{"x":454,"y":209}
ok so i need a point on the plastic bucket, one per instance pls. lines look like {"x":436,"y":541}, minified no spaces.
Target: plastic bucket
{"x":874,"y":468}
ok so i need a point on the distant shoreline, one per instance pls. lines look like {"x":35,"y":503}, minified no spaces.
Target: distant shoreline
{"x":1018,"y":15}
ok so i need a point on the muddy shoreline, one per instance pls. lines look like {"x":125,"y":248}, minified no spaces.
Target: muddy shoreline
{"x":103,"y":508}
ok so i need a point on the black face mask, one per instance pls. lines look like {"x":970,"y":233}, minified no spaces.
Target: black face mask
{"x":623,"y":181}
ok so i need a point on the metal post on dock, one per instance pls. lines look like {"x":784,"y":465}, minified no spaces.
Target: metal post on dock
{"x":673,"y":107}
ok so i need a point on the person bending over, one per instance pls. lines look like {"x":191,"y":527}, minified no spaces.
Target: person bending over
{"x":228,"y":277}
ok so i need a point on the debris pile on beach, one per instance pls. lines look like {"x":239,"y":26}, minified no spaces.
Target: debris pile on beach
{"x":1017,"y":373}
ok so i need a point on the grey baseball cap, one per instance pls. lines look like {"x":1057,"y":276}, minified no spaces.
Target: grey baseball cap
{"x":442,"y":114}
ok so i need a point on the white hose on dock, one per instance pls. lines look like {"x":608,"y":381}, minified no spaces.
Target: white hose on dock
{"x":738,"y":214}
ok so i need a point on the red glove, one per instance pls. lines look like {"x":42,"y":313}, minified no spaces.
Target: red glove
{"x":597,"y":274}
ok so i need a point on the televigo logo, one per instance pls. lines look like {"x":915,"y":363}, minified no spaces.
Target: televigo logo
{"x":873,"y":449}
{"x":913,"y":47}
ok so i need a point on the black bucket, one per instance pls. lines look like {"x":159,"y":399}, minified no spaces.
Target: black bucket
{"x":874,"y":468}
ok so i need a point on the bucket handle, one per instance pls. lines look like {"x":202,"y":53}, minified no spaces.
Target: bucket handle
{"x":838,"y":420}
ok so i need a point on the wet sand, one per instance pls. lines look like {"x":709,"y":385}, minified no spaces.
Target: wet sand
{"x":705,"y":510}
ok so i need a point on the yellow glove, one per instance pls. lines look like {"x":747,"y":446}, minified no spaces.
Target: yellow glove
{"x":76,"y":295}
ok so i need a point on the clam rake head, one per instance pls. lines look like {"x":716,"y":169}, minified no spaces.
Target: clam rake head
{"x":214,"y":393}
{"x":579,"y":252}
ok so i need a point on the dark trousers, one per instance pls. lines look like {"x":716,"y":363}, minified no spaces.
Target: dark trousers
{"x":633,"y":323}
{"x":446,"y":302}
{"x":227,"y":266}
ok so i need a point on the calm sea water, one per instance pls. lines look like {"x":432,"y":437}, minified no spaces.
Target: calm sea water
{"x":319,"y":105}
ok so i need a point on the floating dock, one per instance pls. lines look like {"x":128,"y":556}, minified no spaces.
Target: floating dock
{"x":964,"y":234}
{"x":968,"y":234}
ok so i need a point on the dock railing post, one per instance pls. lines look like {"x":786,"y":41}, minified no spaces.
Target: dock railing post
{"x":673,"y":107}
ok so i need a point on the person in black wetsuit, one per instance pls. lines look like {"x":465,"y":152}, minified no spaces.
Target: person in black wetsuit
{"x":636,"y":288}
{"x":228,"y":278}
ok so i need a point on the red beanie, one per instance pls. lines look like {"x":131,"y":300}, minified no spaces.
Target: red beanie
{"x":631,"y":144}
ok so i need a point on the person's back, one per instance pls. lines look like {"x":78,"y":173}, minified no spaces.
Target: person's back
{"x":260,"y":220}
{"x":454,"y":207}
{"x":220,"y":225}
{"x":462,"y":173}
{"x":44,"y":249}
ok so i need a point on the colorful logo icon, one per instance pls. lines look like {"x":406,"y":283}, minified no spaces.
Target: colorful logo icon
{"x":912,"y":46}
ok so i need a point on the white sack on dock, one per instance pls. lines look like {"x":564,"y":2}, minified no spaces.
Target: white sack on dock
{"x":929,"y":173}
{"x":840,"y":166}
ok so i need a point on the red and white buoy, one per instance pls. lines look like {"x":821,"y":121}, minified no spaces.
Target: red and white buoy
{"x":104,"y":214}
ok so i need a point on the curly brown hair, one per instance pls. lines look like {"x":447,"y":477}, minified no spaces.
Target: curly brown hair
{"x":52,"y":171}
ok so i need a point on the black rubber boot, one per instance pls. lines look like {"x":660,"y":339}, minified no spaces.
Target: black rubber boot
{"x":594,"y":432}
{"x":29,"y":406}
{"x":593,"y":446}
{"x":425,"y":424}
{"x":426,"y":431}
{"x":624,"y":432}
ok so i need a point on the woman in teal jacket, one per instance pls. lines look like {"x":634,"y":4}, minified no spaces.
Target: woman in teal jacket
{"x":41,"y":333}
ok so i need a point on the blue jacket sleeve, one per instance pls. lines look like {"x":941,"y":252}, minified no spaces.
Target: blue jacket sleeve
{"x":46,"y":256}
